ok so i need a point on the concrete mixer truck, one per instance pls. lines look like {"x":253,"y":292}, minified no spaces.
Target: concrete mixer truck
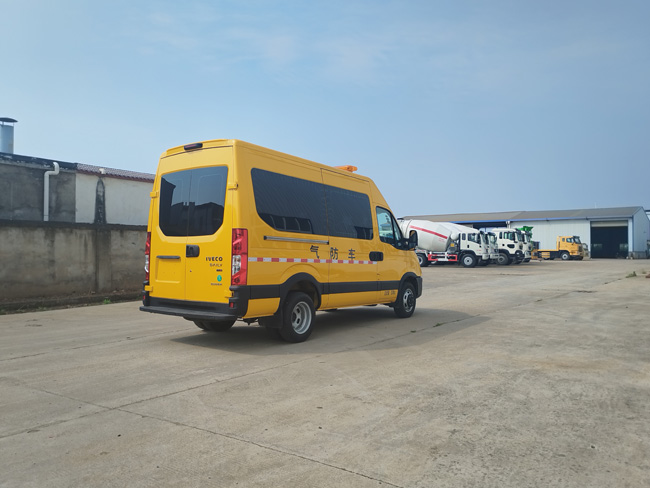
{"x":445,"y":242}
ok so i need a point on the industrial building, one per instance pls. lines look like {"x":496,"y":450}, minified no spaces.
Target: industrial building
{"x":620,"y":232}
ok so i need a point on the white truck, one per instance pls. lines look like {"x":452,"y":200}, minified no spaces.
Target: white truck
{"x":445,"y":242}
{"x":493,"y":246}
{"x":527,"y":238}
{"x":510,"y":245}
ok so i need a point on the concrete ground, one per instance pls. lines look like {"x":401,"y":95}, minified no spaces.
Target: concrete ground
{"x":536,"y":375}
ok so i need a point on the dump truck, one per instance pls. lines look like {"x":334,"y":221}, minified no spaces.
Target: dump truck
{"x":566,"y":248}
{"x":446,"y":242}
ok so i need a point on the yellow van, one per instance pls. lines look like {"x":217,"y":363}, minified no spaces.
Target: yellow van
{"x":238,"y":231}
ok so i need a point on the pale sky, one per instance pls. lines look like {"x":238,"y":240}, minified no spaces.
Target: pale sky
{"x":450,"y":106}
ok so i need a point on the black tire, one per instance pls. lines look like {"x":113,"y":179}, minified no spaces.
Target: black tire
{"x":405,"y":303}
{"x":200,"y":324}
{"x":565,"y":256}
{"x":297,"y":318}
{"x":422,"y":260}
{"x":468,"y":260}
{"x":503,"y":259}
{"x":215,"y":325}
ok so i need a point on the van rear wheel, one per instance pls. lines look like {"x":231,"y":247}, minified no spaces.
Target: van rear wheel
{"x":405,"y":304}
{"x":297,"y":318}
{"x":215,"y":325}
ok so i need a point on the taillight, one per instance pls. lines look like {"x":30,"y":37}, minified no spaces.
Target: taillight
{"x":239,"y":274}
{"x":147,"y":255}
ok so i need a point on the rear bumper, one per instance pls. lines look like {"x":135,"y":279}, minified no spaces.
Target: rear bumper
{"x":193,"y":310}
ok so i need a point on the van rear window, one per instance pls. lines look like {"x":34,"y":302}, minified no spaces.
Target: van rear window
{"x":192,"y":201}
{"x":292,"y":204}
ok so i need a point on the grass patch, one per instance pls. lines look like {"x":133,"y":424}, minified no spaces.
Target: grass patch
{"x":631,"y":275}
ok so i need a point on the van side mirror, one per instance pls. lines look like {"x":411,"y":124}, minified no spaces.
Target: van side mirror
{"x":413,"y":241}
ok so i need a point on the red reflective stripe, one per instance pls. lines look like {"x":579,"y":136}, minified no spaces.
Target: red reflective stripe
{"x":429,"y":231}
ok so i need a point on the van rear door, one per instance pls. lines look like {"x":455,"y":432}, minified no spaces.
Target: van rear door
{"x":191,"y":244}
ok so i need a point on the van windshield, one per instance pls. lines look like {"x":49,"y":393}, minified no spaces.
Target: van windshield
{"x":192,"y":201}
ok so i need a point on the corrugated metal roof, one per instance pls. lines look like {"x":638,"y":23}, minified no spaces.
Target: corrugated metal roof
{"x":115,"y":173}
{"x":79,"y":167}
{"x":518,"y":216}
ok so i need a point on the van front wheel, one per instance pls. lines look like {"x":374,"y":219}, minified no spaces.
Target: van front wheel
{"x":298,"y":317}
{"x":405,"y":304}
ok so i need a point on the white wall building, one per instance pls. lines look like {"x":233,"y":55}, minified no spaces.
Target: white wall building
{"x":76,"y":192}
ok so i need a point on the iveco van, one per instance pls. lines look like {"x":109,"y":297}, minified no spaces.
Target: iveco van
{"x":238,"y":231}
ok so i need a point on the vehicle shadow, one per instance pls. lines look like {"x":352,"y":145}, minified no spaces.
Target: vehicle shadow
{"x":360,"y":328}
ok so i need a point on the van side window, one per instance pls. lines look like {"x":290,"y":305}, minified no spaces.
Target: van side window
{"x":289,"y":204}
{"x":348,"y":213}
{"x":192,"y":201}
{"x":389,"y":231}
{"x":292,"y":204}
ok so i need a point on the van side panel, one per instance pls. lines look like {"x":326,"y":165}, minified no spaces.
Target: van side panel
{"x":353,"y":274}
{"x":275,"y":256}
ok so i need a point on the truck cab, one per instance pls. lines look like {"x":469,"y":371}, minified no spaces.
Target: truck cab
{"x":566,"y":248}
{"x":493,"y":246}
{"x":511,"y":248}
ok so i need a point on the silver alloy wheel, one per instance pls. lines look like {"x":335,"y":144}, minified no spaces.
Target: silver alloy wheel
{"x":301,"y":317}
{"x":468,"y":261}
{"x":408,"y":299}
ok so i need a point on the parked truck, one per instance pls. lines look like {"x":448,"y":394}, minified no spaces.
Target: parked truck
{"x":493,"y":246}
{"x":510,"y":245}
{"x":526,"y":233}
{"x":566,"y":248}
{"x":446,"y":242}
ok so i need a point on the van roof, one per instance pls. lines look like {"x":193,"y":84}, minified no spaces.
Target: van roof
{"x":212,"y":143}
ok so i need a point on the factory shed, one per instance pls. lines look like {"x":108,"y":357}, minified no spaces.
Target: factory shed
{"x":618,"y":232}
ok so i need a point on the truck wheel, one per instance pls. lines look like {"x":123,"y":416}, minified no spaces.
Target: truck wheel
{"x":215,"y":325}
{"x":297,"y":318}
{"x":422,"y":260}
{"x":565,"y":256}
{"x":503,"y":259}
{"x":468,"y":260}
{"x":405,"y":304}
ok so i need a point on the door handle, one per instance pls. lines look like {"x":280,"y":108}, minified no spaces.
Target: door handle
{"x":192,"y":251}
{"x":376,"y":256}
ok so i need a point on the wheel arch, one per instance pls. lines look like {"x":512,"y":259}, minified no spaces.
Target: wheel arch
{"x":414,"y":280}
{"x":305,"y":283}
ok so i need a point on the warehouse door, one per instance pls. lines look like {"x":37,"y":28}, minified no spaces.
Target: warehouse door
{"x":609,"y":239}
